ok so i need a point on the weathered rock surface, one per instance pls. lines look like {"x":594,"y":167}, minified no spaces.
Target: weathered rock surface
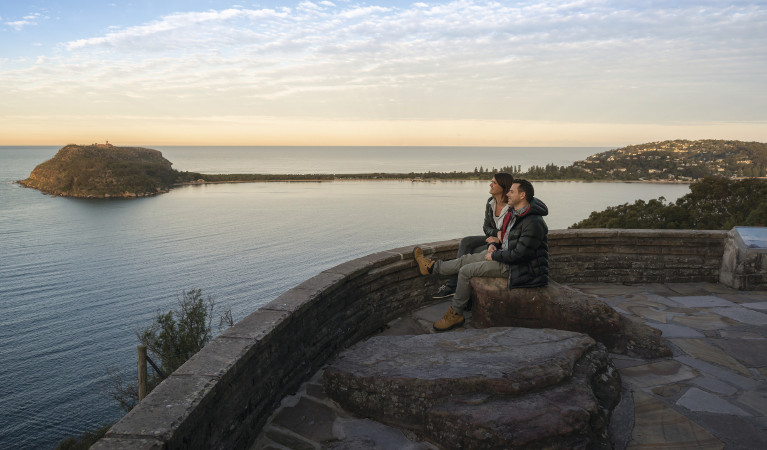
{"x":563,"y":308}
{"x":552,"y":306}
{"x":483,"y":388}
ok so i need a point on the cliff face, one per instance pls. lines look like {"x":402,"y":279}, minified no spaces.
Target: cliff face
{"x":99,"y":171}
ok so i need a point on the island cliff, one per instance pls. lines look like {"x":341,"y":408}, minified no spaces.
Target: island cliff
{"x":103,"y":171}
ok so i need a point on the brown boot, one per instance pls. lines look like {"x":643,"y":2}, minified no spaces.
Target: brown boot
{"x":449,"y":321}
{"x":425,"y":265}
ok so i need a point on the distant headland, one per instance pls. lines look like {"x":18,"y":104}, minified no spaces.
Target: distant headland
{"x":108,"y":171}
{"x":103,"y":171}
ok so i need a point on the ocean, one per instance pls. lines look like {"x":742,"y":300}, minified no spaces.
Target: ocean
{"x":79,"y":278}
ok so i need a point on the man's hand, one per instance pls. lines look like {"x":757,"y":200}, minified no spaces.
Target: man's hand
{"x":489,"y":254}
{"x":492,"y":240}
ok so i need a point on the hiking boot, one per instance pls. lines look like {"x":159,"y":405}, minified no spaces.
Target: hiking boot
{"x":425,"y":265}
{"x":449,"y":321}
{"x":444,"y":292}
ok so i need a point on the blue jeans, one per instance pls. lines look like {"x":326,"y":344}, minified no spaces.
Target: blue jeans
{"x":469,"y":244}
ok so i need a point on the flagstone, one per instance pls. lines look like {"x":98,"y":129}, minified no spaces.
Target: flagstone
{"x":657,"y":373}
{"x":648,"y":313}
{"x":714,"y":385}
{"x":740,"y":334}
{"x":751,"y":352}
{"x":720,"y":373}
{"x":658,"y":426}
{"x":671,"y":330}
{"x":697,"y":400}
{"x":756,"y":305}
{"x":700,"y":349}
{"x":743,"y":315}
{"x":702,"y":301}
{"x":756,"y":400}
{"x":703,"y":321}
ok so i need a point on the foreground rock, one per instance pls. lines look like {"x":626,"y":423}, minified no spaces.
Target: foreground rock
{"x":563,"y":308}
{"x":488,"y":388}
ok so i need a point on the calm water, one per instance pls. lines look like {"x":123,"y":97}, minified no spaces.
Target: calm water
{"x":79,"y":277}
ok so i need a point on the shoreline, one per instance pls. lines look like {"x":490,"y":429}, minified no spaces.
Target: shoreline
{"x":428,"y":180}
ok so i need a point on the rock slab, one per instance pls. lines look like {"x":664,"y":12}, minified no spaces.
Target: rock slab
{"x":563,"y":308}
{"x":483,"y":388}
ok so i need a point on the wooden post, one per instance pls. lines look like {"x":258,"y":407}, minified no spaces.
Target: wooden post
{"x":142,"y":374}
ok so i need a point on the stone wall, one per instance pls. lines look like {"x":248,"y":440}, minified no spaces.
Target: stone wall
{"x":636,"y":256}
{"x":224,"y":394}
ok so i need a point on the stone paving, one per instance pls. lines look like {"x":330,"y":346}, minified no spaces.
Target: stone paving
{"x":711,"y":394}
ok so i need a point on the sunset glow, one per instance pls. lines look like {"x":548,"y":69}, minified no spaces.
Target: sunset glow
{"x":467,"y":72}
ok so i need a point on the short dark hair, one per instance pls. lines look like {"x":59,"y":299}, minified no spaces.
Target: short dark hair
{"x":526,"y":187}
{"x":504,"y":180}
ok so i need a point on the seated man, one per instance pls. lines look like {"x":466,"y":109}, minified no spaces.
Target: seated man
{"x":523,"y":256}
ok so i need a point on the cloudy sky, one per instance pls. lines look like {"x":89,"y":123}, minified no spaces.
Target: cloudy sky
{"x":344,"y":72}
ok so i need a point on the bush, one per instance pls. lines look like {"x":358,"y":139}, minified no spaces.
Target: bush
{"x":173,"y":338}
{"x":714,"y":203}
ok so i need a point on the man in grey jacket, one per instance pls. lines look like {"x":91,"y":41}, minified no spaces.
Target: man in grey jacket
{"x":523,"y":256}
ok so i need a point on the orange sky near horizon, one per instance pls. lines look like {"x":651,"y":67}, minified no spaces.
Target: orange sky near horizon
{"x":271,"y":132}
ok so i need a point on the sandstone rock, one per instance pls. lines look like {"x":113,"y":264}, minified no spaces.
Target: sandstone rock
{"x":636,"y":339}
{"x":563,"y":308}
{"x":482,"y":388}
{"x":552,"y":306}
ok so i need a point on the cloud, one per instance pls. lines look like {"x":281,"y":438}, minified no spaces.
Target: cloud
{"x":588,"y":60}
{"x":28,"y":20}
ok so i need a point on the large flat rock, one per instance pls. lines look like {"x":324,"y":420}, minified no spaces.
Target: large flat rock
{"x":564,"y":308}
{"x":551,"y":306}
{"x":480,"y":388}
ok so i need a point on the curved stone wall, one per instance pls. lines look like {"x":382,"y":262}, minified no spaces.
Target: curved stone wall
{"x":224,"y":394}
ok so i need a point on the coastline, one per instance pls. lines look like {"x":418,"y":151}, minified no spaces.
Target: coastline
{"x":428,"y":180}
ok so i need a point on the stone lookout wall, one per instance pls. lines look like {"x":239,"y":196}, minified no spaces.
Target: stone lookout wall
{"x":636,"y":256}
{"x":224,"y":394}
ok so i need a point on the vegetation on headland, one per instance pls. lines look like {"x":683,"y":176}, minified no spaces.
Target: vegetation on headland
{"x":103,"y":170}
{"x":714,"y":203}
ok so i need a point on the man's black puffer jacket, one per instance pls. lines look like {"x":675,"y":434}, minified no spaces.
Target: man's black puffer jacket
{"x":528,"y":251}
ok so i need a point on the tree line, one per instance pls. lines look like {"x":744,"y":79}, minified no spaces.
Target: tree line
{"x":714,"y":203}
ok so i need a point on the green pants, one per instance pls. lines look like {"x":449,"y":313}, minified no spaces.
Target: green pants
{"x":468,"y":267}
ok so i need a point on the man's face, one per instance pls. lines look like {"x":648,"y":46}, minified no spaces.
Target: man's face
{"x":515,"y":196}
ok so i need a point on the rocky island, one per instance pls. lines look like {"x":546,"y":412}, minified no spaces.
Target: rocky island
{"x":103,"y":171}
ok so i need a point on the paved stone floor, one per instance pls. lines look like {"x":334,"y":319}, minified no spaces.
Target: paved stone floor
{"x":711,"y":394}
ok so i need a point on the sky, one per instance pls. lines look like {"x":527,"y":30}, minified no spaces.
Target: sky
{"x":345,"y":72}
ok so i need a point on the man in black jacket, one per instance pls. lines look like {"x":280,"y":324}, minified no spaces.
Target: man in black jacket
{"x":523,"y":255}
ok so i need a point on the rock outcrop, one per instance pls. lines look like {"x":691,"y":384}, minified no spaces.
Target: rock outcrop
{"x":564,"y":308}
{"x":483,"y":388}
{"x":103,"y":171}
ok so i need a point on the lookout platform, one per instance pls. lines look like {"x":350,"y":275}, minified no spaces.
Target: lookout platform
{"x":705,"y":290}
{"x":711,"y":394}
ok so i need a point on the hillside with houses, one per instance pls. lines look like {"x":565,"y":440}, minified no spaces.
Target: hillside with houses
{"x":678,"y":160}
